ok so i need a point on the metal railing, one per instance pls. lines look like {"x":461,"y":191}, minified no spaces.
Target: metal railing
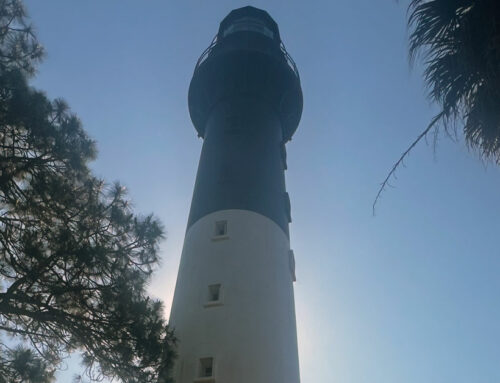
{"x":215,"y":41}
{"x":289,"y":60}
{"x":206,"y":52}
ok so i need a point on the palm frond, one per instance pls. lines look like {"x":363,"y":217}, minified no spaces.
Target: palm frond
{"x":459,"y":44}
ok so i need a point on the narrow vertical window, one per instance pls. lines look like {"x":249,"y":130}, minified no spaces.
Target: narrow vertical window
{"x":288,"y":208}
{"x":206,"y":368}
{"x":214,"y":293}
{"x":291,"y":263}
{"x":283,"y":155}
{"x":220,"y":228}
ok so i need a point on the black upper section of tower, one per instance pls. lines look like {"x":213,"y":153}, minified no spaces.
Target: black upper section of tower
{"x":245,"y":100}
{"x":248,"y":58}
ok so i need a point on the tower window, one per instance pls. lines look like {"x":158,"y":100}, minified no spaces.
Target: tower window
{"x":283,"y":155}
{"x":206,"y":368}
{"x":220,"y":228}
{"x":291,"y":263}
{"x":288,"y":207}
{"x":214,"y":296}
{"x":214,"y":293}
{"x":251,"y":24}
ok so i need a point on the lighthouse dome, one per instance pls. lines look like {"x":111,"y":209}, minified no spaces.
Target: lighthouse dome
{"x":249,"y":19}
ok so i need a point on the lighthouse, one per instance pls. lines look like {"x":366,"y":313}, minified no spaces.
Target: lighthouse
{"x":233,"y":310}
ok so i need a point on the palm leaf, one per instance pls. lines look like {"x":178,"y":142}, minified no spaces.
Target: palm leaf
{"x":459,"y":44}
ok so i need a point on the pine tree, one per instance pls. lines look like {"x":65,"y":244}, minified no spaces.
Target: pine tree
{"x":74,"y":258}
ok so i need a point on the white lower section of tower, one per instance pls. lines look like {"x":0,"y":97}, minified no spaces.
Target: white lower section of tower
{"x":246,"y":334}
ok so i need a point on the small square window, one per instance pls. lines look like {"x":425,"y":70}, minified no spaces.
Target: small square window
{"x":214,"y":293}
{"x":220,"y":228}
{"x":206,"y":368}
{"x":214,"y":296}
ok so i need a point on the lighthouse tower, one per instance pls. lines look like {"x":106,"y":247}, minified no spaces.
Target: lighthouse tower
{"x":233,"y":310}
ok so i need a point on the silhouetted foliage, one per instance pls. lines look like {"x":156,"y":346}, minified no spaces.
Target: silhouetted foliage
{"x":459,"y":42}
{"x":74,"y":259}
{"x":19,"y":47}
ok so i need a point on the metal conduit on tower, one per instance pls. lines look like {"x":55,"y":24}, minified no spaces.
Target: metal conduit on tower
{"x":233,"y":309}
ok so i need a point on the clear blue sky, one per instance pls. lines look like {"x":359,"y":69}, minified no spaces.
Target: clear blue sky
{"x":411,"y":295}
